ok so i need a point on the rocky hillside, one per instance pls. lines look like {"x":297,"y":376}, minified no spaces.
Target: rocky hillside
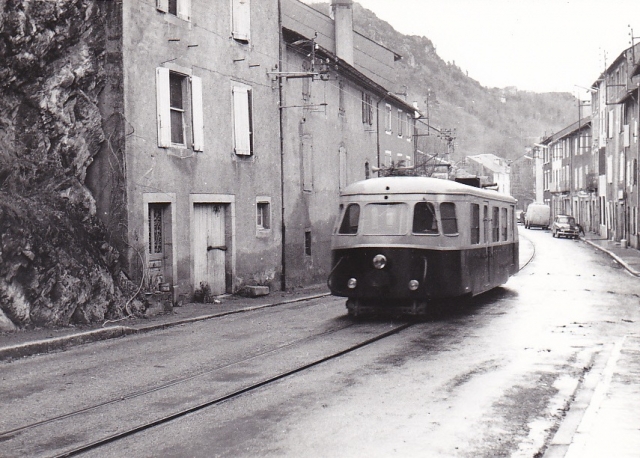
{"x":55,"y":266}
{"x":502,"y":121}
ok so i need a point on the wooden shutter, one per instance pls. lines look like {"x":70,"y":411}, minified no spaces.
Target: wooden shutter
{"x":162,"y":107}
{"x":241,"y":121}
{"x":162,"y":5}
{"x":184,"y":9}
{"x":241,"y":20}
{"x":197,"y":113}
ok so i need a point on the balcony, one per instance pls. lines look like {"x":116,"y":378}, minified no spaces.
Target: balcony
{"x":559,"y":186}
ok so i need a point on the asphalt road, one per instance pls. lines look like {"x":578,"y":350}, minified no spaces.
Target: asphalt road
{"x":493,"y":377}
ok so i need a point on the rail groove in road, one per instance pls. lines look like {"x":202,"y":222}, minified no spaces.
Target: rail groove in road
{"x":160,"y":418}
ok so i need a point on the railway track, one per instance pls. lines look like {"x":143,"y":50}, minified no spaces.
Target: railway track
{"x":75,"y":432}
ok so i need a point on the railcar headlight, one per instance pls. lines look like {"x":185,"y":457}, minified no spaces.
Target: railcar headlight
{"x":352,"y":283}
{"x":379,"y":261}
{"x":414,"y":284}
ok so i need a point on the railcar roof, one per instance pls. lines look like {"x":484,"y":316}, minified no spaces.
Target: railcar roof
{"x":419,"y":185}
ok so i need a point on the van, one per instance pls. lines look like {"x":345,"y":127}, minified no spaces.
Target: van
{"x":538,"y":215}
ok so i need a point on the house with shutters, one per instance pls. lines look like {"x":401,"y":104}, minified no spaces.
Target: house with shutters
{"x":188,"y":179}
{"x":231,"y":128}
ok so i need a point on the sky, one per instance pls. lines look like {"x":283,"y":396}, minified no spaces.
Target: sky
{"x":534,"y":45}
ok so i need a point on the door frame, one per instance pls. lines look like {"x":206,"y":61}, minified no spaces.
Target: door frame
{"x":228,"y":201}
{"x":169,"y":199}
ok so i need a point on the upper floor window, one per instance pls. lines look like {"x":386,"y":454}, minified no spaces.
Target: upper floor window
{"x":242,"y":121}
{"x":400,"y":122}
{"x":241,"y":20}
{"x":367,"y":108}
{"x":179,"y":8}
{"x":179,"y":110}
{"x":387,"y":119}
{"x":409,"y":132}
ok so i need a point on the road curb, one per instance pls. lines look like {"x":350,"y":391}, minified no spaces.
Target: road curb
{"x":112,"y":332}
{"x":616,"y":257}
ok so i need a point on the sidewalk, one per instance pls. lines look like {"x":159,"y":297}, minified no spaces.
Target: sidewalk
{"x":18,"y":344}
{"x":603,"y":419}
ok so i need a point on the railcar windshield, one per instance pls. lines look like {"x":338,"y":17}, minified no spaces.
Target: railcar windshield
{"x":350,"y":220}
{"x":385,"y":219}
{"x":424,"y":218}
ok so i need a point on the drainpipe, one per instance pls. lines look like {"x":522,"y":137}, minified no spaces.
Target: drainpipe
{"x":283,"y":232}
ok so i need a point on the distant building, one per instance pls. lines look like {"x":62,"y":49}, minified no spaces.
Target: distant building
{"x":493,"y":171}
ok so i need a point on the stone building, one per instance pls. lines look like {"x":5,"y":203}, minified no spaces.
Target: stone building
{"x":231,"y":129}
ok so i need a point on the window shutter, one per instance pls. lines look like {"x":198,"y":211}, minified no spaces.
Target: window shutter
{"x":197,"y":114}
{"x":241,"y":19}
{"x":162,"y":107}
{"x":241,"y":123}
{"x":162,"y":5}
{"x":184,"y":9}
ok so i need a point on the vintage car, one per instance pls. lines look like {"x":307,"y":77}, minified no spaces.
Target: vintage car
{"x":565,"y":226}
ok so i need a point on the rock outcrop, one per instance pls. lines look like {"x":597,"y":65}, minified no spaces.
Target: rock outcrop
{"x":56,"y":267}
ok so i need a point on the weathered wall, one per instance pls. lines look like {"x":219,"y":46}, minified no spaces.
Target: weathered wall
{"x":56,"y":267}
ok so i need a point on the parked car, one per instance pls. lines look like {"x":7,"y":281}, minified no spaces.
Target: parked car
{"x":565,"y":226}
{"x":538,"y":215}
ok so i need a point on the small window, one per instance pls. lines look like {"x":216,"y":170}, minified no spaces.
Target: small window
{"x":424,"y":218}
{"x":177,"y":90}
{"x":350,"y":220}
{"x":448,"y":218}
{"x":503,"y":224}
{"x":385,"y":219}
{"x":475,"y":224}
{"x":263,"y":216}
{"x":179,"y":8}
{"x":495,"y":224}
{"x":307,"y":242}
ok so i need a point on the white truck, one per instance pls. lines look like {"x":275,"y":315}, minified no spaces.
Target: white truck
{"x":537,"y":215}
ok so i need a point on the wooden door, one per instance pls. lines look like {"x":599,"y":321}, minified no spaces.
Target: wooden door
{"x":210,"y":247}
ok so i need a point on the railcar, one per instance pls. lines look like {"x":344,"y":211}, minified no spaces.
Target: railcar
{"x":401,"y":243}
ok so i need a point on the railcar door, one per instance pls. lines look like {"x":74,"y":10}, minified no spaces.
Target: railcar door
{"x":486,"y":277}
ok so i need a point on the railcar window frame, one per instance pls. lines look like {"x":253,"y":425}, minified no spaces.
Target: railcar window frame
{"x":474,"y":223}
{"x":495,"y":224}
{"x":446,"y":221}
{"x":346,"y":225}
{"x":432,"y":210}
{"x":504,"y":228}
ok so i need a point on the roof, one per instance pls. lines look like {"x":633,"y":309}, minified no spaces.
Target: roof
{"x":419,"y":185}
{"x":490,"y":161}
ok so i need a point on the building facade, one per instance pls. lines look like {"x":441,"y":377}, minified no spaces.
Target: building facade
{"x":231,"y":129}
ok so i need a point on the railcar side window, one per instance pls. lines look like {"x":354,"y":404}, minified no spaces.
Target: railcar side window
{"x":385,"y":219}
{"x":495,"y":224}
{"x":350,"y":220}
{"x":503,"y":223}
{"x":475,"y":224}
{"x":424,"y":218}
{"x":448,"y":218}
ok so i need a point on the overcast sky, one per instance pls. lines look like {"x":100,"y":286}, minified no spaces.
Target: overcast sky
{"x":535,"y":45}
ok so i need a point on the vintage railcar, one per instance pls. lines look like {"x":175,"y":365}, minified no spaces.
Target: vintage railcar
{"x":400,"y":243}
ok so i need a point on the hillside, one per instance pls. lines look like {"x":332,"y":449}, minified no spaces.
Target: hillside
{"x":502,"y":121}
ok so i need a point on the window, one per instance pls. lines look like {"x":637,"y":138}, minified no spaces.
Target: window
{"x":424,"y":218}
{"x":448,"y":218}
{"x":495,"y":224}
{"x":385,"y":219}
{"x":242,"y":121}
{"x":475,"y":224}
{"x":409,"y":133}
{"x":400,"y":122}
{"x":241,"y":20}
{"x":263,"y":215}
{"x":156,"y":229}
{"x":179,"y":8}
{"x":307,"y":242}
{"x":367,"y":109}
{"x":503,"y":223}
{"x":387,"y":119}
{"x":179,"y":109}
{"x":350,"y":220}
{"x":387,"y":158}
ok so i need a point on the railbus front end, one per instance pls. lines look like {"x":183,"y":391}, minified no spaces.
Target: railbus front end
{"x":402,"y":242}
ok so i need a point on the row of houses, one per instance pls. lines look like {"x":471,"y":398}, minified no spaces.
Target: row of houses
{"x":231,"y":128}
{"x":590,"y":169}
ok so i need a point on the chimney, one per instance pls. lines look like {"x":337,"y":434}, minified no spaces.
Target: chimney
{"x":343,"y":22}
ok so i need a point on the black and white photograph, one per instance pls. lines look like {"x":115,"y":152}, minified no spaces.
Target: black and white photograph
{"x":340,"y":228}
